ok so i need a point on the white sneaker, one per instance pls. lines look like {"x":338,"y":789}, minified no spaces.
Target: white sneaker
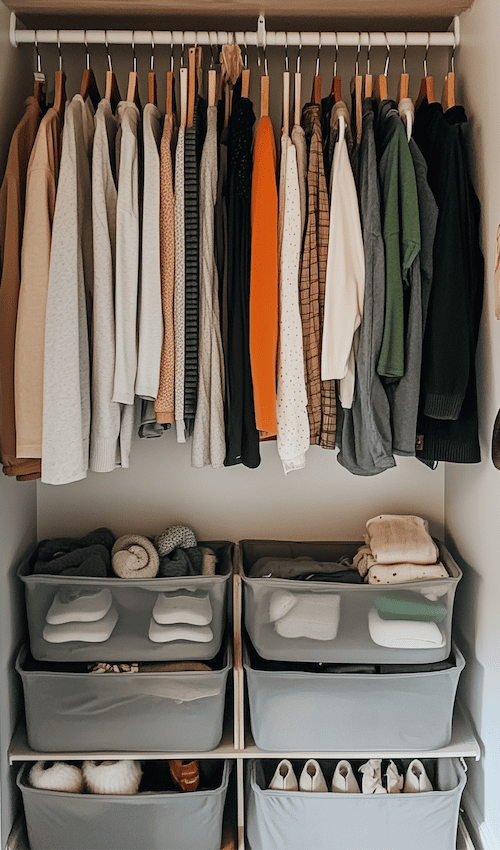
{"x":284,"y":778}
{"x":394,"y":780}
{"x":311,"y":778}
{"x":416,"y":778}
{"x":372,"y":777}
{"x":344,"y":779}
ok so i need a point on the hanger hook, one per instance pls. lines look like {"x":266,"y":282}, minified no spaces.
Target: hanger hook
{"x":317,"y":55}
{"x":368,"y":49}
{"x":388,"y":56}
{"x":134,"y":61}
{"x":110,"y":64}
{"x":426,"y":52}
{"x":87,"y":54}
{"x":452,"y":57}
{"x":299,"y":53}
{"x":403,"y":61}
{"x":152,"y":63}
{"x":171,"y":50}
{"x":245,"y":54}
{"x":356,"y":67}
{"x":287,"y":64}
{"x":336,"y":55}
{"x":59,"y":51}
{"x":38,"y":57}
{"x":182,"y":49}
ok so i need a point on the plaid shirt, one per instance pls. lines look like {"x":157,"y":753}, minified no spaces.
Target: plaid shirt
{"x":321,"y":406}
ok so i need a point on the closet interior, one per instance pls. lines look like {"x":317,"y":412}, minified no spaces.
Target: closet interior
{"x":226,"y":503}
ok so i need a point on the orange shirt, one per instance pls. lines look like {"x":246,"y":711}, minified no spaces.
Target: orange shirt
{"x":264,"y":278}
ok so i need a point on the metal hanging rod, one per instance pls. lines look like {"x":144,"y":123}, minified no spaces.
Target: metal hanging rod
{"x":259,"y":37}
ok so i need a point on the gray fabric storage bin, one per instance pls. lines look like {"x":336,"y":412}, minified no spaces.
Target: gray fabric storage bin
{"x":57,"y":820}
{"x":352,"y":643}
{"x":295,"y":820}
{"x":134,"y":600}
{"x":152,"y":712}
{"x":301,"y":712}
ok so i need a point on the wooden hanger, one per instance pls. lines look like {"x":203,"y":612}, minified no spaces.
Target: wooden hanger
{"x":286,"y":103}
{"x":183,"y":75}
{"x":297,"y":102}
{"x":336,"y":88}
{"x":212,"y":86}
{"x":404,"y":79}
{"x":245,"y":82}
{"x":368,"y":75}
{"x":88,"y":86}
{"x":39,"y":76}
{"x":427,"y":83}
{"x":191,"y":86}
{"x":357,"y":97}
{"x":448,"y":97}
{"x":316,"y":86}
{"x":169,"y":105}
{"x":133,"y":83}
{"x":380,"y":90}
{"x":112,"y":92}
{"x":152,"y":95}
{"x":59,"y":84}
{"x":264,"y":96}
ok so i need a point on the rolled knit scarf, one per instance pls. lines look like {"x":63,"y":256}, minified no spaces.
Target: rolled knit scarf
{"x":134,"y":556}
{"x":79,"y":556}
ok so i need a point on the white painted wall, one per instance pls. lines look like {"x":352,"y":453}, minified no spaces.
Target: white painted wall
{"x":472,"y":493}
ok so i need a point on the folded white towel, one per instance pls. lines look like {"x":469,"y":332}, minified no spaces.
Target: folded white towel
{"x":404,"y":634}
{"x":402,"y":573}
{"x":77,"y":604}
{"x":179,"y":631}
{"x":314,"y":616}
{"x":93,"y":632}
{"x":183,"y":607}
{"x":397,"y":539}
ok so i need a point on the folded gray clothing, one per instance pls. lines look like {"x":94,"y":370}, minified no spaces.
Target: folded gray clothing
{"x":297,"y":567}
{"x":347,"y":576}
{"x":87,"y":556}
{"x":91,"y":561}
{"x":181,"y":562}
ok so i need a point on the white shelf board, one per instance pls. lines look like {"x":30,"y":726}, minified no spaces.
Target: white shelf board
{"x":463,"y":743}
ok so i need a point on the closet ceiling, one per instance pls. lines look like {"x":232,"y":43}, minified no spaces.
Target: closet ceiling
{"x":242,"y":14}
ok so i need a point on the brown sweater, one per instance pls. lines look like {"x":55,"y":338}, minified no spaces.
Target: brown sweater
{"x":12,"y":195}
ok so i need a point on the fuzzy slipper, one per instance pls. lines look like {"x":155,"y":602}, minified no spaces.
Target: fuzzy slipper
{"x":134,"y":556}
{"x":56,"y":776}
{"x":77,"y":604}
{"x":112,"y":777}
{"x":175,"y":536}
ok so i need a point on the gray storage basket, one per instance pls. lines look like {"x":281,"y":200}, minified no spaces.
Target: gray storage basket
{"x":295,"y":820}
{"x":58,"y":820}
{"x":353,"y":643}
{"x":151,"y":712}
{"x":307,"y":712}
{"x":134,"y":600}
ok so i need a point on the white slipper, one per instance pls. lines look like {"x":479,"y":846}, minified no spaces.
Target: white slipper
{"x":344,"y":780}
{"x":183,"y":607}
{"x":372,"y":777}
{"x":314,"y":616}
{"x":93,"y":632}
{"x":416,"y":778}
{"x":280,"y":603}
{"x":179,"y":631}
{"x":112,"y":777}
{"x":394,"y":780}
{"x":404,"y":634}
{"x":311,"y":778}
{"x":76,"y":604}
{"x":284,"y":778}
{"x":59,"y":776}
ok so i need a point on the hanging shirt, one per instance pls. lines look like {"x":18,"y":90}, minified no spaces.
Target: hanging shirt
{"x":401,"y":229}
{"x":364,"y":431}
{"x":164,"y":404}
{"x":179,"y":295}
{"x":221,"y":238}
{"x":298,"y":137}
{"x":150,"y":327}
{"x":41,"y":185}
{"x":264,"y":278}
{"x":12,"y":196}
{"x":448,"y":421}
{"x":66,"y":375}
{"x":209,"y":444}
{"x":321,"y":405}
{"x":127,"y":254}
{"x":112,"y":423}
{"x":403,"y":395}
{"x":242,"y":437}
{"x":345,"y":271}
{"x":291,"y":397}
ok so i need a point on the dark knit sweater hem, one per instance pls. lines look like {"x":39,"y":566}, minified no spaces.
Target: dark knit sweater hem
{"x":446,"y":450}
{"x":443,"y":406}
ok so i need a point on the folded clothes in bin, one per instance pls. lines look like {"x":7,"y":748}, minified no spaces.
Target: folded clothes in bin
{"x":409,"y":606}
{"x":311,"y":615}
